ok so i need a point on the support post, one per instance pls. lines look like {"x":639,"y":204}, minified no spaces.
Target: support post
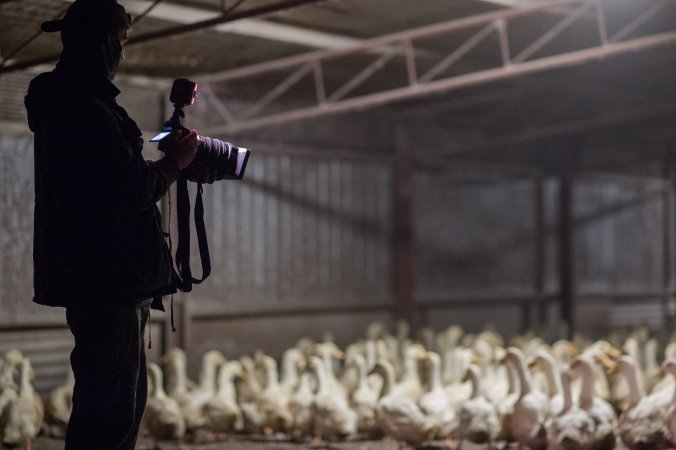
{"x":667,"y":239}
{"x":540,"y":304}
{"x":402,"y":233}
{"x":566,"y":244}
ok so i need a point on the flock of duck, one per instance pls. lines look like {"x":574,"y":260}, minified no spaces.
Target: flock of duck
{"x":448,"y":386}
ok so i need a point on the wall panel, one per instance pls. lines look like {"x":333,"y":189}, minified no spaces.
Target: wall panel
{"x":297,"y":232}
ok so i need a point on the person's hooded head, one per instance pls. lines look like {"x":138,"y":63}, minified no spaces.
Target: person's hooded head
{"x":92,"y":32}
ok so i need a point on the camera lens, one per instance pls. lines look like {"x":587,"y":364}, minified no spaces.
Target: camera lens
{"x":222,"y":156}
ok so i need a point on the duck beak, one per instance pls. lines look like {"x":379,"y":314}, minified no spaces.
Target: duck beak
{"x":572,"y":350}
{"x":657,"y":374}
{"x":608,"y":364}
{"x":337,"y":353}
{"x":613,"y":352}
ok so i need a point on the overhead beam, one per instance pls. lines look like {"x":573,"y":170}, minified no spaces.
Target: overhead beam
{"x":562,"y":129}
{"x":258,"y":28}
{"x":453,"y":83}
{"x":177,"y":30}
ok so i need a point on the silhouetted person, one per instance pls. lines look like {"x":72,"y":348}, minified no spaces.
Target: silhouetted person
{"x":99,"y":250}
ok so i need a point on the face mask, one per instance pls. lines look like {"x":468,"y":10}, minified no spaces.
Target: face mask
{"x":111,"y":55}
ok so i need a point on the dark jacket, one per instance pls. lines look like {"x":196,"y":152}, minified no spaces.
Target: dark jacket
{"x":97,"y":233}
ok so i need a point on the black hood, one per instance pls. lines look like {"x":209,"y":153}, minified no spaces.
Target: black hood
{"x":89,"y":32}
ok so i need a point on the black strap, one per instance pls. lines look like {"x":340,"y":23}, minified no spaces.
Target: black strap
{"x":183,"y":248}
{"x":201,"y":231}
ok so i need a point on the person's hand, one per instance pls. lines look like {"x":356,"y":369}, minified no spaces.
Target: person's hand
{"x":182,"y":148}
{"x":202,"y":174}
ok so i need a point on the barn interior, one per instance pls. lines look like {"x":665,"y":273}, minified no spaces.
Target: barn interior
{"x":505,"y":166}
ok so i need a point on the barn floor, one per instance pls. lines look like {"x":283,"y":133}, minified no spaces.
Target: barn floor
{"x":145,"y":444}
{"x":43,"y":443}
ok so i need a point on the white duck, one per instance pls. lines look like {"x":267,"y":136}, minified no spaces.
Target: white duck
{"x":300,"y":406}
{"x":177,"y":376}
{"x":572,"y":428}
{"x":669,"y":369}
{"x":600,"y":410}
{"x":9,"y":390}
{"x":666,"y":383}
{"x":162,"y":417}
{"x":364,"y":399}
{"x":642,"y":423}
{"x":333,"y":417}
{"x":598,"y":351}
{"x":478,"y":419}
{"x":505,"y":407}
{"x":436,"y":402}
{"x":410,"y":387}
{"x":327,"y":351}
{"x":293,"y":361}
{"x":399,"y":415}
{"x":531,"y":409}
{"x":25,"y":413}
{"x":651,"y":366}
{"x":59,"y":405}
{"x":222,"y":412}
{"x":250,"y":387}
{"x":545,"y":362}
{"x":193,"y":405}
{"x":564,"y":351}
{"x":455,"y":362}
{"x":273,"y":402}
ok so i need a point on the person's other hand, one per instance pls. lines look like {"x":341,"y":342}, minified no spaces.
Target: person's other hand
{"x":182,"y":148}
{"x":203,"y":174}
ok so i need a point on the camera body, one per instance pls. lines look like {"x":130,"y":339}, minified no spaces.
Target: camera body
{"x":228,"y":160}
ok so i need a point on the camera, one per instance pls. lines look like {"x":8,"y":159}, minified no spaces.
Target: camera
{"x":228,"y":160}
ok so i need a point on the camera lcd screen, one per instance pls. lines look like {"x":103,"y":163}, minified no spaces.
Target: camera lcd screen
{"x":242,"y":159}
{"x":161,"y":136}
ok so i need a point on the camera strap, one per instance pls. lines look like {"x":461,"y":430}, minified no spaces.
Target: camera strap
{"x":183,"y":248}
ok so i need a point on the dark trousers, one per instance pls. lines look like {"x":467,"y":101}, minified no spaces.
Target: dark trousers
{"x":111,"y":386}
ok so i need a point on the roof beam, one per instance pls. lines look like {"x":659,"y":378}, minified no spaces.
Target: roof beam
{"x":176,"y":30}
{"x":259,"y":28}
{"x":573,"y":127}
{"x":530,"y":64}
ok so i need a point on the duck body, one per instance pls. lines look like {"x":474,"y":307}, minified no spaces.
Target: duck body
{"x":530,"y":410}
{"x":192,"y":404}
{"x":162,"y":417}
{"x":273,"y":401}
{"x":572,"y":428}
{"x":222,"y":412}
{"x":669,"y":368}
{"x":642,"y":425}
{"x":364,"y":399}
{"x":600,"y":410}
{"x":25,"y":413}
{"x":478,"y":420}
{"x":399,"y":416}
{"x":300,"y":405}
{"x":333,"y":417}
{"x":436,"y":402}
{"x":59,"y":406}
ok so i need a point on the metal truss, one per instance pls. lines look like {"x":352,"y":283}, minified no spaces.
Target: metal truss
{"x":435,"y":79}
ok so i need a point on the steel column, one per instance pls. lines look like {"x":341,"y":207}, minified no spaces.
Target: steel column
{"x":668,"y":240}
{"x":402,"y":236}
{"x":566,"y":245}
{"x":540,"y":248}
